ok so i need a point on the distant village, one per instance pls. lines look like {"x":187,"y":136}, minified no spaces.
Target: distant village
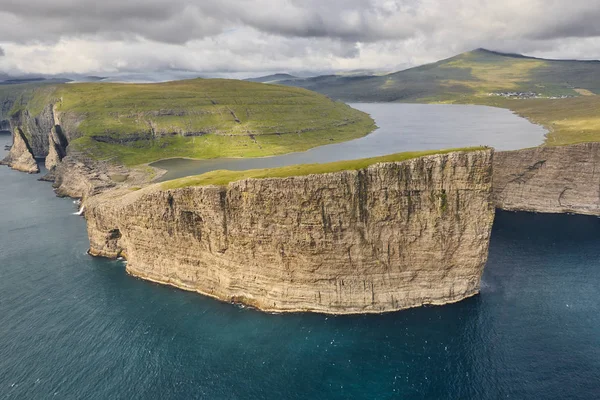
{"x":526,"y":95}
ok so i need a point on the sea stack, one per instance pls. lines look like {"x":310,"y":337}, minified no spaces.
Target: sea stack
{"x":20,"y":157}
{"x":56,"y":148}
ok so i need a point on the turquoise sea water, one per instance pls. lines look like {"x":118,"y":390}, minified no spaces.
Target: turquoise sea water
{"x":75,"y":327}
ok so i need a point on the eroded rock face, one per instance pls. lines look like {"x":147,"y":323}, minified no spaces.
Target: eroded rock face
{"x":57,"y":148}
{"x":20,"y":156}
{"x":79,"y":177}
{"x":392,"y":236}
{"x":35,"y":128}
{"x":564,"y":179}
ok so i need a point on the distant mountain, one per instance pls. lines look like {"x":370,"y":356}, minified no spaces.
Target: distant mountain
{"x":477,"y":73}
{"x":18,"y":81}
{"x":275,"y":78}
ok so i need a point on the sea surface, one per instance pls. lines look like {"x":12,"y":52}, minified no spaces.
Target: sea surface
{"x":77,"y":327}
{"x":402,"y":127}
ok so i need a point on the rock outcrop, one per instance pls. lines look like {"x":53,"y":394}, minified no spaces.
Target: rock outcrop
{"x":35,"y":128}
{"x":563,"y":179}
{"x":389,"y":237}
{"x":78,"y":178}
{"x":57,"y":145}
{"x":20,"y":156}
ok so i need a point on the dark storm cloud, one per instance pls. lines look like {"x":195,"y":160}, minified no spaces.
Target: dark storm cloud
{"x":246,"y":35}
{"x":178,"y":21}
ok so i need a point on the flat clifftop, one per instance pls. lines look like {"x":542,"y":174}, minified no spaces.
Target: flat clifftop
{"x":134,"y":124}
{"x":560,"y":179}
{"x":384,"y":238}
{"x":223,"y":177}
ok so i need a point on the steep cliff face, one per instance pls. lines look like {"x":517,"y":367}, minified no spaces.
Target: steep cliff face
{"x":81,"y":177}
{"x":57,"y":145}
{"x":564,"y":179}
{"x":35,"y":128}
{"x":20,"y":156}
{"x":78,"y":178}
{"x":388,"y":237}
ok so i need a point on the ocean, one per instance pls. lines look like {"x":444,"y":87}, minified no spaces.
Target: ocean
{"x":77,"y":327}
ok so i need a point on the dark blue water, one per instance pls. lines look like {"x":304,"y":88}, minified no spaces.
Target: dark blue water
{"x":75,"y":327}
{"x":402,"y":127}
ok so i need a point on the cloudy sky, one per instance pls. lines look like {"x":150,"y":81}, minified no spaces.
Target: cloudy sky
{"x":251,"y":37}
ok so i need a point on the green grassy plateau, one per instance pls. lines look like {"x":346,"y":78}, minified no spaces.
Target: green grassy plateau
{"x":140,"y":123}
{"x":223,"y":177}
{"x":471,"y":77}
{"x":16,"y":96}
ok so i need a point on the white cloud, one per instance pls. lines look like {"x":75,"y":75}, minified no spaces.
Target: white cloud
{"x":112,"y":36}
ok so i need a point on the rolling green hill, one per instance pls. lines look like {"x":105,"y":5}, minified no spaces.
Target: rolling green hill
{"x":16,"y":93}
{"x":200,"y":118}
{"x":562,"y":95}
{"x":474,"y":74}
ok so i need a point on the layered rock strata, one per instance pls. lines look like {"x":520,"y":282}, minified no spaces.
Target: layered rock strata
{"x":563,"y":179}
{"x":36,"y":128}
{"x":389,"y":237}
{"x":57,"y":145}
{"x":20,"y":156}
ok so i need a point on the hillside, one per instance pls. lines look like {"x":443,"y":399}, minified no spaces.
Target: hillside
{"x":562,"y":95}
{"x":17,"y":93}
{"x":139,"y":123}
{"x":476,"y":73}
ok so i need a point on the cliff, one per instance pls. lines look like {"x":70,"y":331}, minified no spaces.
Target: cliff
{"x":133,"y":124}
{"x":20,"y":156}
{"x":384,"y":238}
{"x":57,"y":145}
{"x":562,"y":179}
{"x":36,"y":128}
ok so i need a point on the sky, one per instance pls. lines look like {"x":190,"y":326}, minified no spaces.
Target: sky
{"x":241,"y":38}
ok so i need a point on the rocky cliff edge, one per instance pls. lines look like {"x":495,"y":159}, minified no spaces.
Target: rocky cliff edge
{"x":20,"y":157}
{"x":561,"y":179}
{"x":389,"y":237}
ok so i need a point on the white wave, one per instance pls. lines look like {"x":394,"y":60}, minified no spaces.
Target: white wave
{"x":80,"y":212}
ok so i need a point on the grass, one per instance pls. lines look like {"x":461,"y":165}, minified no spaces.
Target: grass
{"x":469,"y":78}
{"x":15,"y":97}
{"x":569,"y":121}
{"x":502,"y":74}
{"x":135,"y":124}
{"x":223,"y":177}
{"x":215,"y":145}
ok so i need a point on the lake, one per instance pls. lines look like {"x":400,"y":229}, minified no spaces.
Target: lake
{"x":402,"y":127}
{"x":77,"y":327}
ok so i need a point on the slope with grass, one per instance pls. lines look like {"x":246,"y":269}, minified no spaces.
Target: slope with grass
{"x":472,"y":77}
{"x":134,"y":124}
{"x":15,"y":94}
{"x":224,"y":177}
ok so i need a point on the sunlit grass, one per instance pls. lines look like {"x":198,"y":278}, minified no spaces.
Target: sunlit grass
{"x":201,"y":118}
{"x":223,"y":177}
